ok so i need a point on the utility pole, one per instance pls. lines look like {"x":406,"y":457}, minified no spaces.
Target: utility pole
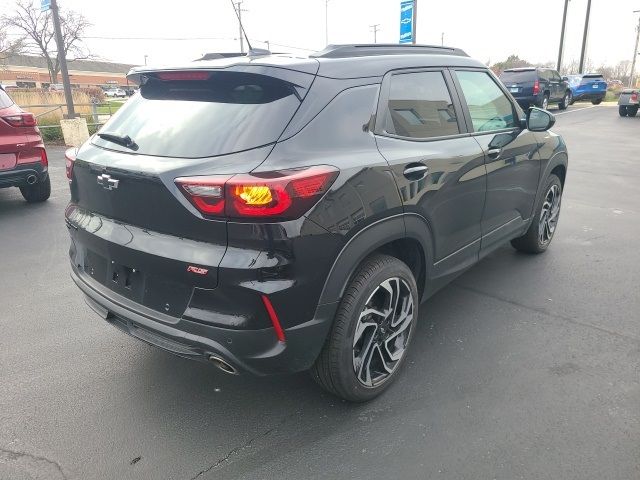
{"x":145,"y":59}
{"x":240,"y":34}
{"x":564,"y":24}
{"x":635,"y":54}
{"x":584,"y":38}
{"x":326,"y":22}
{"x":415,"y":21}
{"x":442,"y":40}
{"x":375,"y":29}
{"x":62,"y":59}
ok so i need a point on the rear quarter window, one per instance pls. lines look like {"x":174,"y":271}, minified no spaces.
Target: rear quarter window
{"x":5,"y":99}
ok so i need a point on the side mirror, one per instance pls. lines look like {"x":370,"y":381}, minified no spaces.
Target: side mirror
{"x":565,"y":79}
{"x":539,"y":120}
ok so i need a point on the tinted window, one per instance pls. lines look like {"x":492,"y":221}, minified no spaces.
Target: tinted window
{"x":420,"y":106}
{"x":5,"y":100}
{"x":518,"y":76}
{"x":489,"y":108}
{"x":228,"y":112}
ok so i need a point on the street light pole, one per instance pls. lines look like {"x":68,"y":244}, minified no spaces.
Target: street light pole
{"x":635,"y":54}
{"x":584,"y":38}
{"x":62,"y":60}
{"x":564,"y":24}
{"x":375,"y":29}
{"x":415,"y":21}
{"x":240,"y":34}
{"x":145,"y":59}
{"x":326,"y":22}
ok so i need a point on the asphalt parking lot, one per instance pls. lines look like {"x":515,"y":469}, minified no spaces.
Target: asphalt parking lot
{"x":525,"y":367}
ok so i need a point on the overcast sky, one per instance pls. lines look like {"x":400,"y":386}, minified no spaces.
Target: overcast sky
{"x":486,"y":29}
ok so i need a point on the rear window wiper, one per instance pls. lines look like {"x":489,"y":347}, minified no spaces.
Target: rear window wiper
{"x":124,"y":140}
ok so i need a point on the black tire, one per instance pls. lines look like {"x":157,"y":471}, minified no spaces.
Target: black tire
{"x":531,"y":242}
{"x":544,"y":104}
{"x":335,"y":367}
{"x":566,"y":100}
{"x":632,"y":111}
{"x":597,"y":101}
{"x":38,"y":192}
{"x":622,"y":110}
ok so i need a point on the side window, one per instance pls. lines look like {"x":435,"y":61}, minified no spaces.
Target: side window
{"x":544,"y":75}
{"x":420,"y":106}
{"x":490,"y":109}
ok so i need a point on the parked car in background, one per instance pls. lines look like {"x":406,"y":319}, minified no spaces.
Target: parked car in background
{"x":23,"y":159}
{"x":56,"y":87}
{"x":589,"y":86}
{"x":534,"y":86}
{"x":293,"y":213}
{"x":629,"y":102}
{"x":115,"y":92}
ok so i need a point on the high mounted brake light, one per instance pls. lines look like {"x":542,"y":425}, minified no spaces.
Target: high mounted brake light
{"x":282,"y":194}
{"x":168,"y":76}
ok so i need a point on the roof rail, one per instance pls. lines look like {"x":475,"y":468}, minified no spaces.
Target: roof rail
{"x":363,"y":50}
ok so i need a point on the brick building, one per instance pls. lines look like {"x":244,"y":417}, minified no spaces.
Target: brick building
{"x":26,"y":71}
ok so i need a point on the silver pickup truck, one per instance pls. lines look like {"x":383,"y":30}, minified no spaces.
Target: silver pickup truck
{"x":628,"y":102}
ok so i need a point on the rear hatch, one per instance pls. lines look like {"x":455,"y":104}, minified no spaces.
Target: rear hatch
{"x":519,"y":82}
{"x":134,"y":231}
{"x":591,"y":84}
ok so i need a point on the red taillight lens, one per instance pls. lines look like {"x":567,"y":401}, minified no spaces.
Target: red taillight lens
{"x":169,"y":76}
{"x":205,"y":193}
{"x":634,"y":97}
{"x":536,"y":87}
{"x":69,"y":161}
{"x":21,"y":120}
{"x":44,"y":160}
{"x":282,"y":194}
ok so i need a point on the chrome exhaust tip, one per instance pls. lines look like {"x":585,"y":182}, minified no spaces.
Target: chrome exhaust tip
{"x":31,"y":179}
{"x":222,"y":365}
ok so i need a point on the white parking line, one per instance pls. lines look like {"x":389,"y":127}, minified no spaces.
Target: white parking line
{"x":576,"y":110}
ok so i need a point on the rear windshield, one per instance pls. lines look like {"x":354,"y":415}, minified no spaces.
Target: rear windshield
{"x":519,"y":76}
{"x":5,"y":100}
{"x":226,"y":113}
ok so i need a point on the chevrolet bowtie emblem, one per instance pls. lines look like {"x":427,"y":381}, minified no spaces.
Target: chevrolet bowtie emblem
{"x":107,"y":182}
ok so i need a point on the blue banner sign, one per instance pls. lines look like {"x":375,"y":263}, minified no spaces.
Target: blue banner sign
{"x":45,"y":5}
{"x":406,"y":21}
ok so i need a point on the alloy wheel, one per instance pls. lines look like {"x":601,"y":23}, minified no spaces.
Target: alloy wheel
{"x":549,"y":215}
{"x":382,"y":332}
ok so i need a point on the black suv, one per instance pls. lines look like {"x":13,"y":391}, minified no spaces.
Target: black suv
{"x":274,"y":214}
{"x":537,"y":86}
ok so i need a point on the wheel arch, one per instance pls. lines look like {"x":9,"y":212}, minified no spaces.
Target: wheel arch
{"x":407,"y":237}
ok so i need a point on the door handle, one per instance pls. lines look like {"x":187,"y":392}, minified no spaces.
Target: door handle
{"x":416,"y":171}
{"x":494,"y":153}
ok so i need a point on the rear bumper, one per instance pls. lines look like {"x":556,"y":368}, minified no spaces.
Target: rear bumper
{"x":255,"y":351}
{"x":19,"y":175}
{"x":577,"y":96}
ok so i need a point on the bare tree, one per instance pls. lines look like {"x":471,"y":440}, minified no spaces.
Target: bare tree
{"x":38,"y":35}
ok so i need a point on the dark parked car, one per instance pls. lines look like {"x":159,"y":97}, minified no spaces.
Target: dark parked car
{"x":23,"y":159}
{"x":532,"y":86}
{"x":629,"y":102}
{"x":275,"y":214}
{"x":590,"y":86}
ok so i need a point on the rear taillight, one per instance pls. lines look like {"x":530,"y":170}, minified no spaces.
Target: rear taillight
{"x":69,"y":161}
{"x":21,"y":120}
{"x":282,"y":194}
{"x":634,"y":97}
{"x":536,"y":87}
{"x":44,"y":160}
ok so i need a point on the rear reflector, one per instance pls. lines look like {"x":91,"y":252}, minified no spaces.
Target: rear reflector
{"x":284,"y":194}
{"x":21,"y":120}
{"x":169,"y":76}
{"x":274,"y":318}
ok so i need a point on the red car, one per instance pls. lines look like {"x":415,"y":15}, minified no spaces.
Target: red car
{"x":23,"y":159}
